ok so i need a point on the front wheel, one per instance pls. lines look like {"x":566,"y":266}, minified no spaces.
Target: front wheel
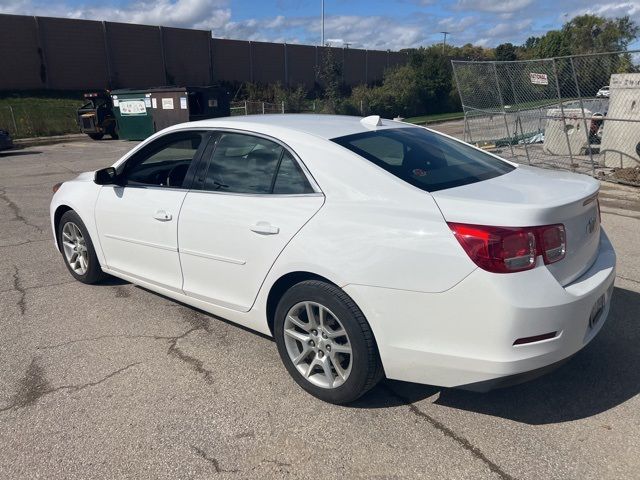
{"x":96,"y":136}
{"x":326,"y":343}
{"x":77,"y":249}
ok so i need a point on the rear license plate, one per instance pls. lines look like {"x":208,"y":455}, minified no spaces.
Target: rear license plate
{"x":596,"y":311}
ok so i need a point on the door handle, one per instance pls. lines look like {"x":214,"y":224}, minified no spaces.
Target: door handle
{"x":264,"y":228}
{"x":163,"y":216}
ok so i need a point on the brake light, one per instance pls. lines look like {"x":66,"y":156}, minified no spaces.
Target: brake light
{"x":57,"y":186}
{"x":510,"y":249}
{"x":554,"y":243}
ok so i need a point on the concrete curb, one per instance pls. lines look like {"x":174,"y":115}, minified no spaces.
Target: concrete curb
{"x":30,"y":142}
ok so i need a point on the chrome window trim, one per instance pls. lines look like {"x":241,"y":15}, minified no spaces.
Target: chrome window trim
{"x":266,"y":195}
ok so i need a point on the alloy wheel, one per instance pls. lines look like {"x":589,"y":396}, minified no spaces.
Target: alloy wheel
{"x":318,"y":344}
{"x":75,"y":248}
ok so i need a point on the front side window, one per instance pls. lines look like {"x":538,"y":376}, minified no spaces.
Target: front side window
{"x":425,"y":159}
{"x":164,"y":162}
{"x":253,"y":165}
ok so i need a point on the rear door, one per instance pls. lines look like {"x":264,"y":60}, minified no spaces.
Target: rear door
{"x":252,"y":198}
{"x":137,"y":221}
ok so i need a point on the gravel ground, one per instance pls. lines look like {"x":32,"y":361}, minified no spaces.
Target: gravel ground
{"x":114,"y":381}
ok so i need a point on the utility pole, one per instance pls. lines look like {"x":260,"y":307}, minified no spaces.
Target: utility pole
{"x":322,"y":18}
{"x":444,"y":41}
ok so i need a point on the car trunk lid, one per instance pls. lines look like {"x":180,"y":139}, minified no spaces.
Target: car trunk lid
{"x":528,"y":197}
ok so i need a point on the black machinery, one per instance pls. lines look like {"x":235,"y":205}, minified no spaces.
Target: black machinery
{"x":96,"y":117}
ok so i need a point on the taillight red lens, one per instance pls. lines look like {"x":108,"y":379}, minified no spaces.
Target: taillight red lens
{"x":554,"y":243}
{"x":510,"y":249}
{"x":497,"y":249}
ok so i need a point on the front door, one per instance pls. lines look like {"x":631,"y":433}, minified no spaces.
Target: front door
{"x":137,"y":221}
{"x":253,"y":199}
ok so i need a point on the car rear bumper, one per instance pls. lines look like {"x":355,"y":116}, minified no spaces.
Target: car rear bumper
{"x":464,"y":337}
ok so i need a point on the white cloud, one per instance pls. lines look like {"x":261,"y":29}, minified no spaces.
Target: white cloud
{"x":508,"y":29}
{"x":616,"y":9}
{"x":452,"y":24}
{"x":498,"y":6}
{"x":373,"y":32}
{"x":205,"y":14}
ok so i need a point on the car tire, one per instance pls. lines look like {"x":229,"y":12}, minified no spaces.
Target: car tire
{"x":96,"y":136}
{"x":327,"y":372}
{"x":114,"y":135}
{"x":77,"y":249}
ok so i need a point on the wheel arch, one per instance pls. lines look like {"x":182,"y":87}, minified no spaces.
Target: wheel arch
{"x":60,"y":210}
{"x":283,"y":284}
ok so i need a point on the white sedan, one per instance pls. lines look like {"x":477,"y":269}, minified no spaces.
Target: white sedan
{"x":366,"y":247}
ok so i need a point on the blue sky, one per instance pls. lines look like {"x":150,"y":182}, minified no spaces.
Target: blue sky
{"x":390,"y":24}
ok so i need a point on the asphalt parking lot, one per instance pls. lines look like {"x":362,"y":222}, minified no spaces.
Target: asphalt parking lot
{"x":113,"y":381}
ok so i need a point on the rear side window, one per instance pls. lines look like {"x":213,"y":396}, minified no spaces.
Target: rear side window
{"x":253,"y":165}
{"x":290,"y":179}
{"x":425,"y":159}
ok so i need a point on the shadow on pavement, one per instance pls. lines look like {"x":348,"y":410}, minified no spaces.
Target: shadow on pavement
{"x":111,"y":281}
{"x":17,"y":153}
{"x":600,"y":377}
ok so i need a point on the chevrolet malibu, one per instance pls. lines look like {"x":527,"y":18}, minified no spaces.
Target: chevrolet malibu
{"x":366,"y":247}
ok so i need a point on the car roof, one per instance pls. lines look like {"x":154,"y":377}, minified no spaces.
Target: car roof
{"x":324,"y":126}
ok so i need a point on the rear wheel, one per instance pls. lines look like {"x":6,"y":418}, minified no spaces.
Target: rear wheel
{"x":326,"y":343}
{"x":96,"y":136}
{"x":77,"y":249}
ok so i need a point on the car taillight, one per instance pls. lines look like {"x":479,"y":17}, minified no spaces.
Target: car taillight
{"x":510,"y":249}
{"x":553,"y":243}
{"x":57,"y":186}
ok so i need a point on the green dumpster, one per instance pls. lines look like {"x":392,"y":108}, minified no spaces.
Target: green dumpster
{"x":133,"y":113}
{"x":140,"y":113}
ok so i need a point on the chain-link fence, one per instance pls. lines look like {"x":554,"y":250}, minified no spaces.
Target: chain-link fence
{"x":580,"y":113}
{"x":247,"y":107}
{"x":38,"y":121}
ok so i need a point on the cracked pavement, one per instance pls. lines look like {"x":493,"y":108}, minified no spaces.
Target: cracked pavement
{"x":113,"y":381}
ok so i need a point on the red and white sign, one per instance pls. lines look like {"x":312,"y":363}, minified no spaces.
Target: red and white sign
{"x":539,"y":78}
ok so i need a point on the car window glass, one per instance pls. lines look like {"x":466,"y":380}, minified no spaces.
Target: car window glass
{"x":290,"y":178}
{"x":425,"y":159}
{"x":387,"y":149}
{"x":164,"y":162}
{"x":243,"y":164}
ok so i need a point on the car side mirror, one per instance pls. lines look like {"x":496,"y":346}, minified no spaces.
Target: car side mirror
{"x":106,"y":176}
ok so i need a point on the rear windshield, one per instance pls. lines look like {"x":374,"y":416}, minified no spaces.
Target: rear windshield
{"x":425,"y":159}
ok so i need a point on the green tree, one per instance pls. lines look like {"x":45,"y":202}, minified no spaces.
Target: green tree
{"x":591,"y":33}
{"x":554,"y":43}
{"x":330,"y":77}
{"x":506,"y":52}
{"x":582,"y":34}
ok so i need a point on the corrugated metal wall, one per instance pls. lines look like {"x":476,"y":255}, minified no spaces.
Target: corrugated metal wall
{"x":301,"y":65}
{"x":181,"y":47}
{"x":74,"y":53}
{"x":135,"y":55}
{"x":231,"y":60}
{"x":66,"y":54}
{"x":22,"y":66}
